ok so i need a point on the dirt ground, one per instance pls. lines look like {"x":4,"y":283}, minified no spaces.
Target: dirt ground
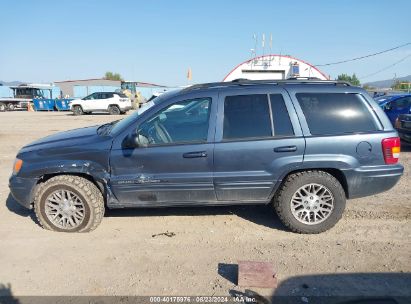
{"x":367,"y":253}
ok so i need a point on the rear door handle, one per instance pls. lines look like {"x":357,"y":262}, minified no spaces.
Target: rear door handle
{"x":286,"y":149}
{"x":195,"y":154}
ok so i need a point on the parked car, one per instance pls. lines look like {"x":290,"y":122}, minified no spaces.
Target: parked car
{"x":303,"y":147}
{"x":403,"y":126}
{"x":395,"y":105}
{"x":111,"y":102}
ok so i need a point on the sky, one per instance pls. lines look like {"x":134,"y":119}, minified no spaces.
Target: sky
{"x":158,"y":40}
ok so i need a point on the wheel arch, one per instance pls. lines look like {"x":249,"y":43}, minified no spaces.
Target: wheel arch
{"x":336,"y":173}
{"x":100,"y":184}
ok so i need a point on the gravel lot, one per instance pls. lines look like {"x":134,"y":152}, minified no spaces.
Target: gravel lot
{"x":367,"y":253}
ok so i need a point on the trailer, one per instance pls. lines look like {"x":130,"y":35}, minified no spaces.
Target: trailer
{"x":23,"y":95}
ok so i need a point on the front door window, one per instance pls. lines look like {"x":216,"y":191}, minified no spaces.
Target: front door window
{"x":182,"y":122}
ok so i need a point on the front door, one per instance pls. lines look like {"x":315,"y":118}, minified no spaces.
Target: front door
{"x":173,"y":163}
{"x":90,"y":102}
{"x":256,"y":142}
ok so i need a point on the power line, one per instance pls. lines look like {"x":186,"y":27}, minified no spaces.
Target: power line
{"x":363,"y":57}
{"x":387,"y":67}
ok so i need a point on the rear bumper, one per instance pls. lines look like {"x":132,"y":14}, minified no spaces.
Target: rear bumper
{"x":22,"y":190}
{"x":367,"y":181}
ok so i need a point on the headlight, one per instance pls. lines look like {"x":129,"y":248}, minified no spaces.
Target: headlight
{"x":18,"y":163}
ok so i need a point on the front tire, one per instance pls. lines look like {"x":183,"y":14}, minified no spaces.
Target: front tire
{"x":67,"y":203}
{"x":77,"y":110}
{"x":310,"y":202}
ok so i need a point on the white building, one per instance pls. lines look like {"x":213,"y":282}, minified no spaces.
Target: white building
{"x":274,"y":67}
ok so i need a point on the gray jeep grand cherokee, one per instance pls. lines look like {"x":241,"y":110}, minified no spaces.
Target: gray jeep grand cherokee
{"x":303,"y":147}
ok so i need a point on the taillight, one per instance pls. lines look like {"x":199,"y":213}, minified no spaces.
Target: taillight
{"x":391,"y":149}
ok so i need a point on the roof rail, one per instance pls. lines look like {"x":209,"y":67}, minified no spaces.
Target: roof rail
{"x":243,"y":82}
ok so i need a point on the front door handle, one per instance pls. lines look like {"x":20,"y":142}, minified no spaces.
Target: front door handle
{"x":195,"y":154}
{"x":286,"y":149}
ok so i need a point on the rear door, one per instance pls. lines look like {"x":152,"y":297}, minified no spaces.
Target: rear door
{"x":106,"y":100}
{"x":258,"y":139}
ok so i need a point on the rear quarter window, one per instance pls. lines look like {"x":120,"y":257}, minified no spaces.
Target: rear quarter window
{"x":336,"y":113}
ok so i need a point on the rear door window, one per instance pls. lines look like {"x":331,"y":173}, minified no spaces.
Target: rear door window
{"x":246,"y":116}
{"x":336,"y":113}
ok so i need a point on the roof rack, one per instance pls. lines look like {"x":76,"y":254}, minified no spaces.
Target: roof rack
{"x":243,"y":82}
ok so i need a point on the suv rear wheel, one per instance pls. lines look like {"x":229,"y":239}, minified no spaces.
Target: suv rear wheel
{"x":114,"y":110}
{"x":310,"y":202}
{"x":69,"y":203}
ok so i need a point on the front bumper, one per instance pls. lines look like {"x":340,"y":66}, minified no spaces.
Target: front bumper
{"x":22,"y":190}
{"x":371,"y":180}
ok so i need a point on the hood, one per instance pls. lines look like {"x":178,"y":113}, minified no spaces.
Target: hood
{"x":66,"y":139}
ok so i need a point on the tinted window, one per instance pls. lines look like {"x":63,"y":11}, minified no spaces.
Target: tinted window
{"x":105,"y":95}
{"x":401,"y":103}
{"x":336,"y":113}
{"x":89,"y":97}
{"x":281,"y":118}
{"x":246,"y":116}
{"x":185,"y":121}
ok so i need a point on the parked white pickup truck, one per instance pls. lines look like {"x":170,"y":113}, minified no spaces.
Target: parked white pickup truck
{"x":111,"y":102}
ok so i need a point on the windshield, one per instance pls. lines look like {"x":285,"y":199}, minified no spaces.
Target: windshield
{"x":120,"y":124}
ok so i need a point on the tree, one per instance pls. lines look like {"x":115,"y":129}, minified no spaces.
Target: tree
{"x":113,"y":76}
{"x":351,"y":79}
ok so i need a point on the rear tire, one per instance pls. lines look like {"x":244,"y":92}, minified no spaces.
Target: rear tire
{"x":77,"y":110}
{"x":310,"y":202}
{"x":2,"y":107}
{"x":114,"y":110}
{"x":68,"y":203}
{"x":11,"y":107}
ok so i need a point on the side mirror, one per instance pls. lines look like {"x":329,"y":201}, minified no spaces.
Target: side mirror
{"x":387,"y":106}
{"x":135,"y":140}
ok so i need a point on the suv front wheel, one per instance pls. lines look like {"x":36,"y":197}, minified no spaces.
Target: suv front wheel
{"x":310,"y":202}
{"x":68,"y":203}
{"x":78,"y":110}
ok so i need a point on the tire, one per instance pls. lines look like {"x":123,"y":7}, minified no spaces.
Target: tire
{"x":11,"y":107}
{"x":80,"y":189}
{"x":114,"y":110}
{"x":2,"y":107}
{"x":77,"y":110}
{"x":289,"y":209}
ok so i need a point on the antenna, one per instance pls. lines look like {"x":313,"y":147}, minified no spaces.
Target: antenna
{"x":271,"y":47}
{"x":255,"y":49}
{"x":263,"y":44}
